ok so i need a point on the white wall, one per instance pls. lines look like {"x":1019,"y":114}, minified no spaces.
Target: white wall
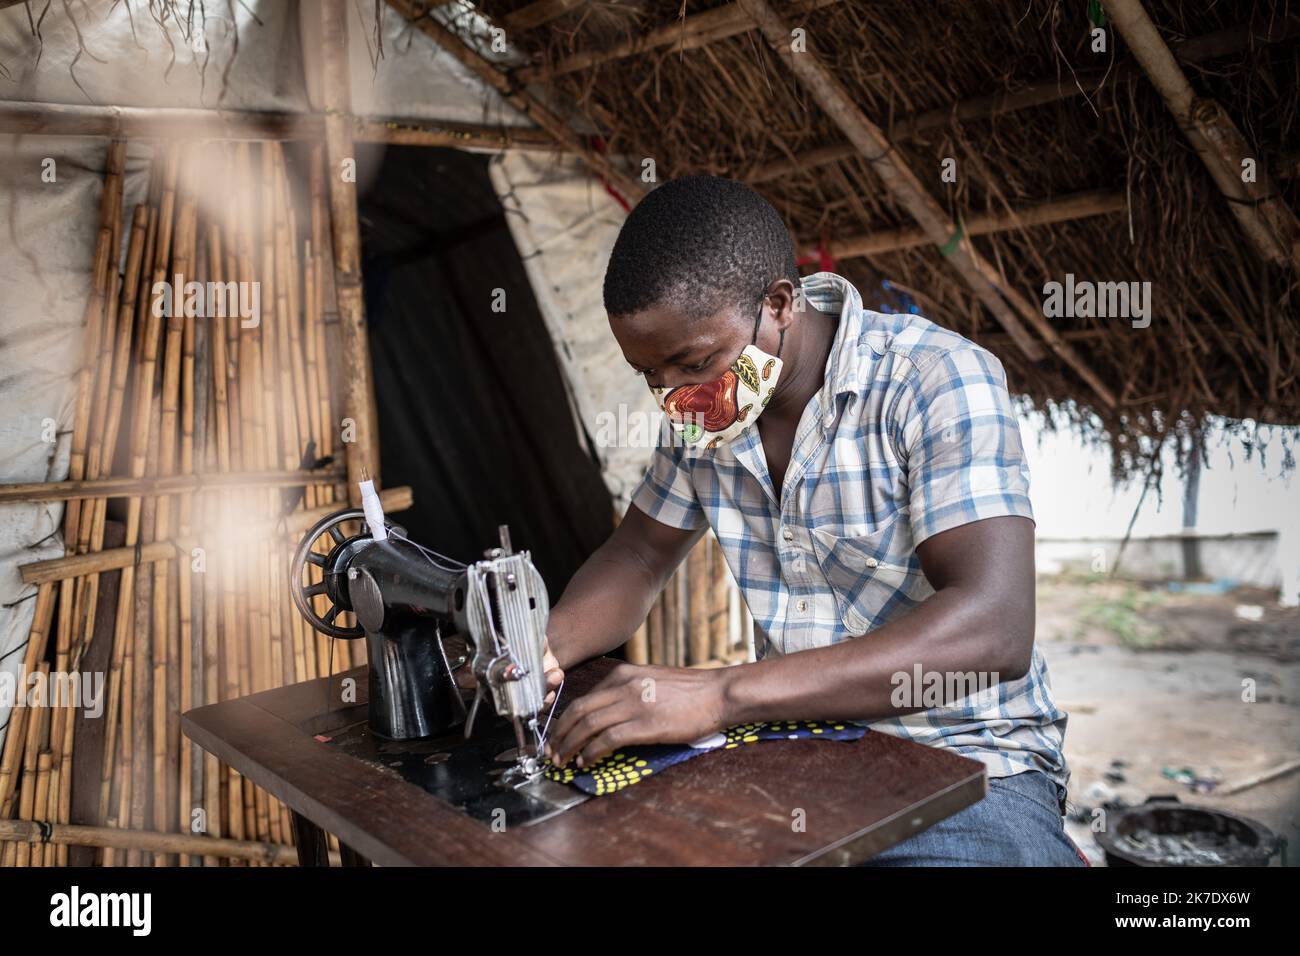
{"x":1073,"y":496}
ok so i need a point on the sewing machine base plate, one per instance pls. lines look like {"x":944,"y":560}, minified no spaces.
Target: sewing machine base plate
{"x":464,"y":773}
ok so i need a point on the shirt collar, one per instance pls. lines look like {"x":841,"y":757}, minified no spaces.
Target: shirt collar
{"x":832,"y":293}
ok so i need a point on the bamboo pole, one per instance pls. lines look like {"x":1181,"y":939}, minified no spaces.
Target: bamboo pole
{"x":127,"y":627}
{"x":320,"y":238}
{"x":507,"y":86}
{"x":121,"y":687}
{"x":105,"y":252}
{"x":38,"y":736}
{"x":123,"y":487}
{"x":688,"y":33}
{"x":87,"y":417}
{"x":62,"y":834}
{"x":189,"y":125}
{"x":1271,"y":227}
{"x":698,"y":589}
{"x":679,"y":612}
{"x":719,"y":601}
{"x":16,"y":732}
{"x":143,"y":648}
{"x":358,"y":396}
{"x":637,"y":649}
{"x":164,"y":626}
{"x":110,"y":399}
{"x":1066,"y":209}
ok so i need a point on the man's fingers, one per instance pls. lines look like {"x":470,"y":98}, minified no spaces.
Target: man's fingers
{"x":611,"y":739}
{"x":592,"y":701}
{"x":568,"y":743}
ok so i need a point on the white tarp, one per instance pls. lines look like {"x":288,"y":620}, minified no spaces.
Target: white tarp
{"x":564,"y":225}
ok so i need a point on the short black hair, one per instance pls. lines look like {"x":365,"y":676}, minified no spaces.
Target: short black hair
{"x":698,"y":244}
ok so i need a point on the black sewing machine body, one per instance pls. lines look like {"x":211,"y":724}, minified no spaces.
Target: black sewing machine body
{"x":407,"y":600}
{"x":404,"y":606}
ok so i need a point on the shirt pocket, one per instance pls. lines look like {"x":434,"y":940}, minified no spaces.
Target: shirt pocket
{"x":875,"y":575}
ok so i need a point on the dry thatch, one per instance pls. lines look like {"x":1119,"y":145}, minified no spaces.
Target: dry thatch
{"x":1223,"y":339}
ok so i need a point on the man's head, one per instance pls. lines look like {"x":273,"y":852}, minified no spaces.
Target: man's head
{"x":688,"y":275}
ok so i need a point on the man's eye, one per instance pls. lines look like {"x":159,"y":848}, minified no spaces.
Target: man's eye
{"x":698,"y":368}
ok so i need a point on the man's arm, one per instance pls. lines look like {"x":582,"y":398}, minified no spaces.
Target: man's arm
{"x":613,"y":591}
{"x":980,"y":618}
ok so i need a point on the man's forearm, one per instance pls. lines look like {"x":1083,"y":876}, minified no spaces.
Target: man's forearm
{"x":949,"y":633}
{"x":605,"y":602}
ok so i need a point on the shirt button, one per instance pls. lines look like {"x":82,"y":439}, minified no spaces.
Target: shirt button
{"x":787,"y":534}
{"x":802,"y":606}
{"x":872,"y":562}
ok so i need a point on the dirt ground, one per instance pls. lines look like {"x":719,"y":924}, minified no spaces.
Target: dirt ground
{"x":1174,"y":693}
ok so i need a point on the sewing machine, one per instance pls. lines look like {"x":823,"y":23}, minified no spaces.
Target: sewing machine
{"x":407,"y":601}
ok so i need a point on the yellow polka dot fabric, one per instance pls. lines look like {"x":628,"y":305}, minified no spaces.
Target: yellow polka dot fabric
{"x":634,"y":764}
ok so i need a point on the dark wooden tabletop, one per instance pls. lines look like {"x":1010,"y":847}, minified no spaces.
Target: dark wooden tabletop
{"x":730,"y":807}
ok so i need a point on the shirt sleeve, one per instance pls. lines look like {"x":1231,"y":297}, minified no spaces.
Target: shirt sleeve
{"x":667,"y":492}
{"x":961,"y":441}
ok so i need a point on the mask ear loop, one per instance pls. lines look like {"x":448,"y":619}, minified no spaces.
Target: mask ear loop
{"x":758,"y":319}
{"x":780,"y":343}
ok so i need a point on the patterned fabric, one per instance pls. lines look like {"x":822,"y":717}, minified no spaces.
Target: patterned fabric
{"x":634,"y":764}
{"x":912,"y":434}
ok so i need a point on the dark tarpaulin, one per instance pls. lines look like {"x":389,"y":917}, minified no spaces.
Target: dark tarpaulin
{"x":473,"y":413}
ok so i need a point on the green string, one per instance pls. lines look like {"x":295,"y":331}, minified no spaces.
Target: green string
{"x":949,"y":247}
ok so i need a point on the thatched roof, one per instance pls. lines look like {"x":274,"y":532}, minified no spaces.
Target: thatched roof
{"x":1223,"y":336}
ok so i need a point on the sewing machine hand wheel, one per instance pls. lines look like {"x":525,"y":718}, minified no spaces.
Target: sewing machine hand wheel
{"x":303,"y":593}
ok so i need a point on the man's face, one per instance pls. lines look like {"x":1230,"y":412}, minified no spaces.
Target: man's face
{"x":671,"y":349}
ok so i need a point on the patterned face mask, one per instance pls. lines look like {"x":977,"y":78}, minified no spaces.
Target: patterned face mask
{"x":708,"y":414}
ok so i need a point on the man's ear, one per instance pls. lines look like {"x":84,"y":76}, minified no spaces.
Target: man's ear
{"x":785,"y":303}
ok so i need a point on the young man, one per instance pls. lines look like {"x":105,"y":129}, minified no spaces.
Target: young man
{"x":865,"y":478}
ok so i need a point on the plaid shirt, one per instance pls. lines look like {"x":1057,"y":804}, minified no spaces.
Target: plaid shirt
{"x":913,"y":433}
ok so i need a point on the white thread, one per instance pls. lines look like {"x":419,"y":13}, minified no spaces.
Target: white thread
{"x":374,"y":510}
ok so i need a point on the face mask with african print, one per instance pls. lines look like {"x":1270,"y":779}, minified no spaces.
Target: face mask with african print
{"x":706,"y":415}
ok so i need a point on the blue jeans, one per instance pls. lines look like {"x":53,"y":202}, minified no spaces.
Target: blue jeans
{"x":1018,"y":823}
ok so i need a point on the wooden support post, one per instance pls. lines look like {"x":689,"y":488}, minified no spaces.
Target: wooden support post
{"x":362,"y":452}
{"x":903,"y":184}
{"x":169,"y":123}
{"x":1267,"y":221}
{"x":1066,"y":209}
{"x":688,"y":33}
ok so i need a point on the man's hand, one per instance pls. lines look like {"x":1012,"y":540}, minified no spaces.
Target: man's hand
{"x":554,"y":675}
{"x":640,"y":705}
{"x":464,"y":675}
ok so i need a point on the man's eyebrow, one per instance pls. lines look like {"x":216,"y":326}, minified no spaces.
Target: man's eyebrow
{"x":671,"y":360}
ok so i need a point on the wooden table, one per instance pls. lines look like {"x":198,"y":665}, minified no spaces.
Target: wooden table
{"x":731,"y":807}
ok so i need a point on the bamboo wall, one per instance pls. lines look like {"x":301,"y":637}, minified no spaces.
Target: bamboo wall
{"x":174,"y":395}
{"x":199,"y":612}
{"x":699,"y":619}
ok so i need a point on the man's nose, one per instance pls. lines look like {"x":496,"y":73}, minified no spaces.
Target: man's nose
{"x":670,"y":381}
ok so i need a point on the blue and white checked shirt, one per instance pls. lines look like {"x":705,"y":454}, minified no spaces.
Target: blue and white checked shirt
{"x":913,"y":433}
